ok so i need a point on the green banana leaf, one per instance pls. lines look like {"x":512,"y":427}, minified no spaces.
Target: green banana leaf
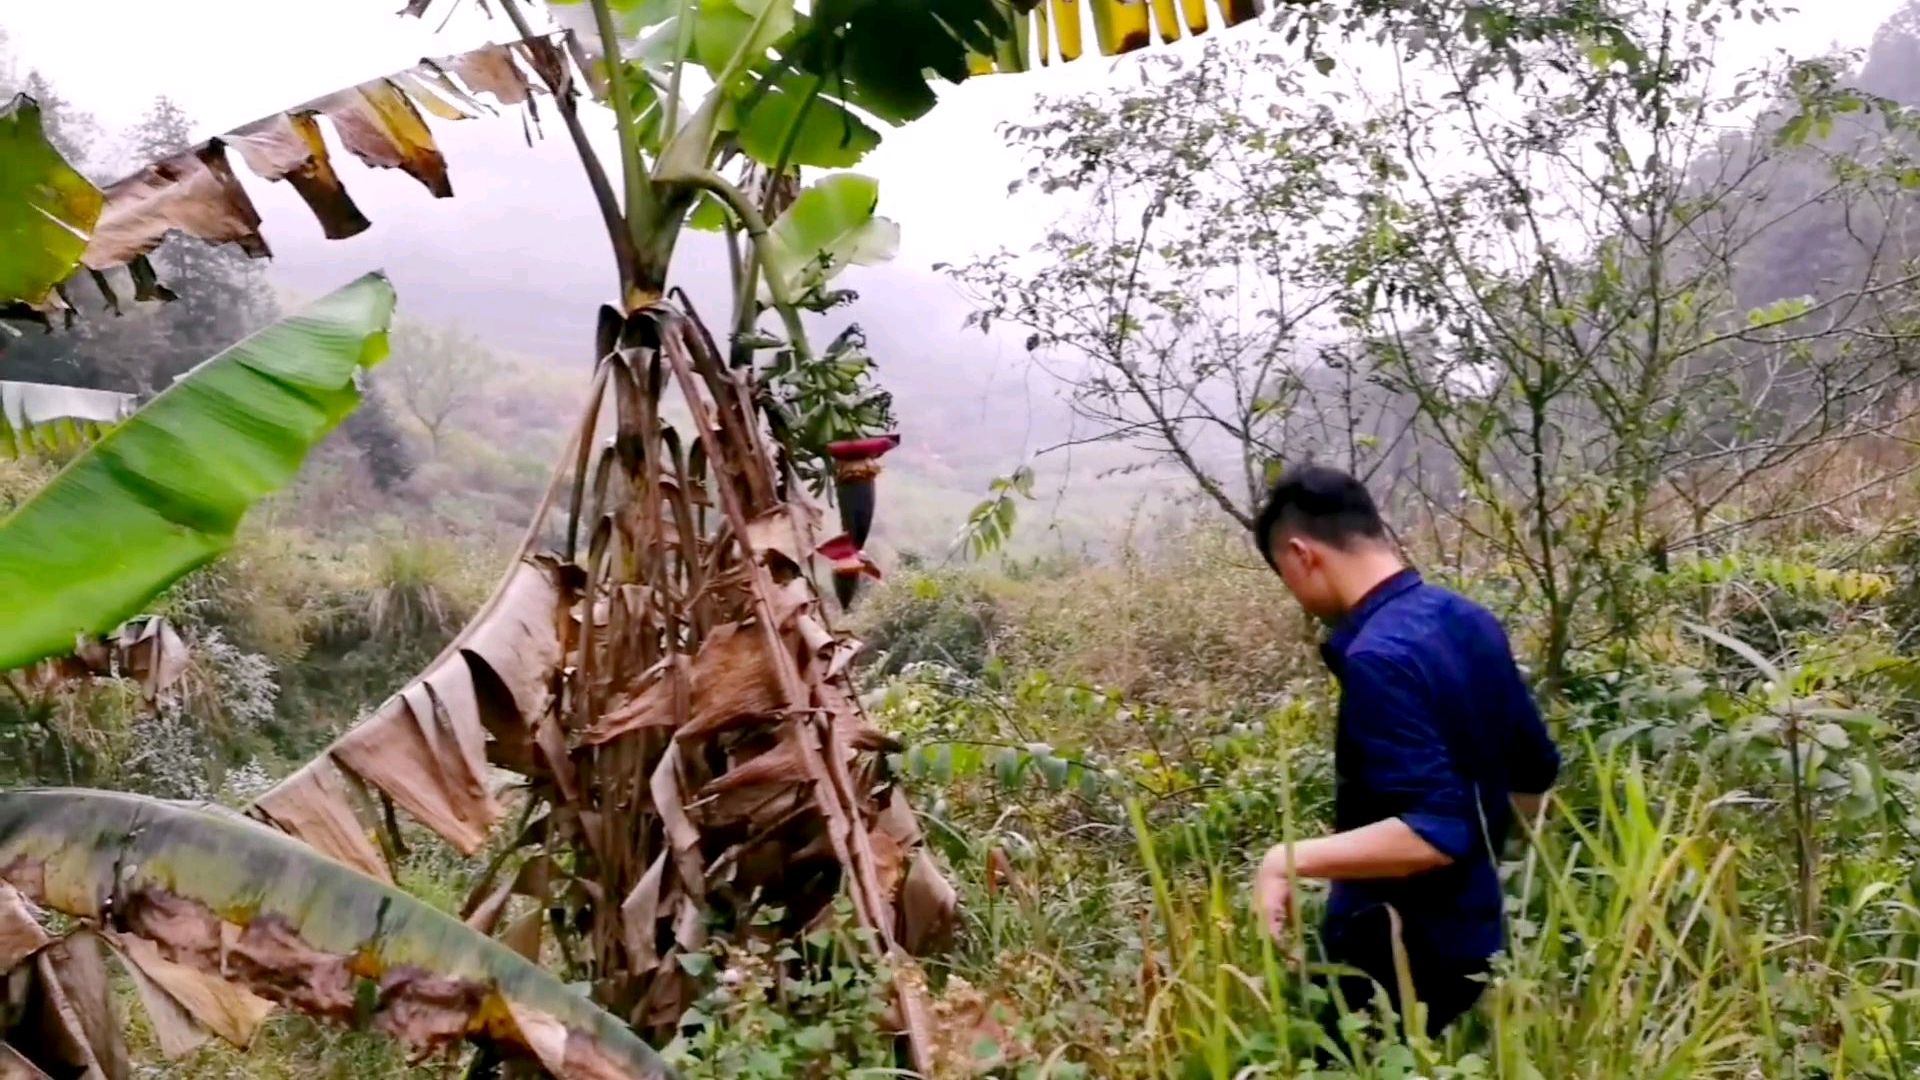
{"x":164,"y":492}
{"x":47,"y":210}
{"x":301,"y":930}
{"x":48,"y":416}
{"x":831,"y":225}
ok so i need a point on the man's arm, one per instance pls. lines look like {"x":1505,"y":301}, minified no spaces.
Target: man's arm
{"x":1384,"y":849}
{"x":1533,"y":762}
{"x":1430,"y":816}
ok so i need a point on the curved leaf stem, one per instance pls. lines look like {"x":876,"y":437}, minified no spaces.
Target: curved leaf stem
{"x":639,"y":189}
{"x":756,"y":226}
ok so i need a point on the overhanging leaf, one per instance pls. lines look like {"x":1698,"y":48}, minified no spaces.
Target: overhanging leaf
{"x":50,"y":216}
{"x":194,"y":192}
{"x":47,"y":210}
{"x":794,"y":125}
{"x":732,"y":36}
{"x":163,"y":493}
{"x":231,"y":899}
{"x":831,"y":225}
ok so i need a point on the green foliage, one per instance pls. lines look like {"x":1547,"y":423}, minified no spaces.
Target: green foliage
{"x":943,"y":618}
{"x":1723,"y":886}
{"x":990,"y":525}
{"x":831,"y":398}
{"x":814,"y":1008}
{"x":47,"y":210}
{"x":830,"y":226}
{"x":164,"y":492}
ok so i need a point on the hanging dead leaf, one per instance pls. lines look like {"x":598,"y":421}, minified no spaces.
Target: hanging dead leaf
{"x":682,"y":837}
{"x":640,"y":917}
{"x":790,"y":530}
{"x":313,"y":806}
{"x":155,"y":655}
{"x":426,"y":748}
{"x":78,"y":1016}
{"x":487,"y":915}
{"x":227,"y":1010}
{"x":175,"y":1029}
{"x":194,"y":192}
{"x":731,"y":684}
{"x":427,"y":751}
{"x":378,"y":123}
{"x":928,"y":904}
{"x":523,"y":935}
{"x":21,"y":934}
{"x":288,"y":146}
{"x":490,"y":70}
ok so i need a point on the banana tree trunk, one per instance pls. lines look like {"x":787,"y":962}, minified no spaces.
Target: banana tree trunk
{"x":670,"y":688}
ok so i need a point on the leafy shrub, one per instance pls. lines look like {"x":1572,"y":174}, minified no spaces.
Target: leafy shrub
{"x":943,"y":618}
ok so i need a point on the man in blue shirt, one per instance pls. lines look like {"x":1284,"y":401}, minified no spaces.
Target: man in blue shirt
{"x":1438,"y":743}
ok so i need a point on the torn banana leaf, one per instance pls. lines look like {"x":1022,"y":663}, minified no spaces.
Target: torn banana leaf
{"x":46,"y":416}
{"x":47,"y":210}
{"x":163,"y":492}
{"x":427,"y":746}
{"x":51,"y":218}
{"x":214,"y":895}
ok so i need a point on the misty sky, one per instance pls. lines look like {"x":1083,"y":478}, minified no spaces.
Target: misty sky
{"x":943,"y":178}
{"x":518,"y":255}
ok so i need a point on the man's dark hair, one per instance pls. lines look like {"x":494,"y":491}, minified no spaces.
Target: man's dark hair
{"x":1325,"y":504}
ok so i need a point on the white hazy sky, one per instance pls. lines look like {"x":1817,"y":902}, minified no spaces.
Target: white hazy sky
{"x":518,"y":256}
{"x":229,"y":61}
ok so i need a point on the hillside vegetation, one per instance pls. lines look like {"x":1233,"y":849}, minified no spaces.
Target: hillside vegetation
{"x":1642,"y":376}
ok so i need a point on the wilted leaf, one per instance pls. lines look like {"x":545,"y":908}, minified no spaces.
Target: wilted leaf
{"x":80,"y":1027}
{"x":193,"y":192}
{"x":47,"y":210}
{"x":163,"y":492}
{"x":490,"y":69}
{"x":152,"y":653}
{"x":20,"y":933}
{"x":312,"y":805}
{"x":928,"y":904}
{"x":426,"y":746}
{"x":730,"y":680}
{"x":378,"y":123}
{"x":640,"y":917}
{"x":240,"y":901}
{"x":288,"y":146}
{"x":174,"y":1028}
{"x":228,"y":1011}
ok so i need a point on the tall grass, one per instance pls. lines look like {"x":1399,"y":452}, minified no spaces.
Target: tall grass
{"x":1633,"y":953}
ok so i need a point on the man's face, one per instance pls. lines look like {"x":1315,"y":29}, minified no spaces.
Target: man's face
{"x":1302,"y":563}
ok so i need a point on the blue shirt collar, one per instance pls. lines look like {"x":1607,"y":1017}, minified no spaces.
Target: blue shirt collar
{"x":1338,"y":642}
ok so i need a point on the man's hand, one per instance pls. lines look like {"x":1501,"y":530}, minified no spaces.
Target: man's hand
{"x":1273,"y":892}
{"x":1384,"y":849}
